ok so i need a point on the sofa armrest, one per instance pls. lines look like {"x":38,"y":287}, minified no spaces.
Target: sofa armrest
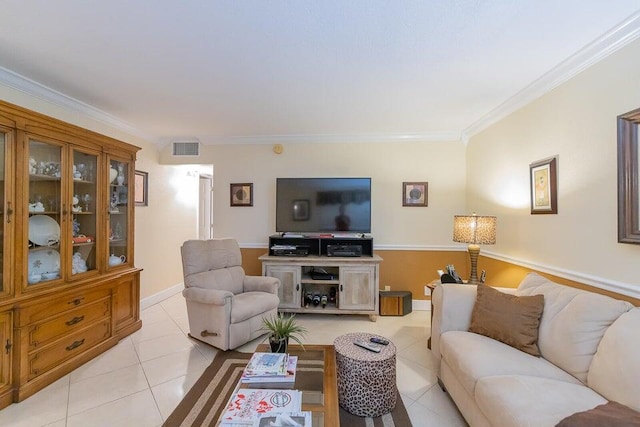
{"x":261,"y":284}
{"x":452,"y":307}
{"x":207,"y":296}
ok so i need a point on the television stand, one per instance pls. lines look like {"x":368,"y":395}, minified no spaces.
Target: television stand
{"x":349,"y":285}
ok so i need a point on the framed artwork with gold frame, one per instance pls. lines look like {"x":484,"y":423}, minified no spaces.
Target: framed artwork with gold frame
{"x":543,"y":176}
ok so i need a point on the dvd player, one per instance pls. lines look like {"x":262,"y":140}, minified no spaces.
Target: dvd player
{"x":290,"y":250}
{"x":344,"y":250}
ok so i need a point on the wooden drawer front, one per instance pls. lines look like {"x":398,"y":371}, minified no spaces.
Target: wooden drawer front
{"x":50,"y":330}
{"x":79,"y":342}
{"x":51,"y":307}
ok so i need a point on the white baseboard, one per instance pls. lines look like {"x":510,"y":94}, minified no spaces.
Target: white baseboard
{"x":161,"y":296}
{"x":421,"y":305}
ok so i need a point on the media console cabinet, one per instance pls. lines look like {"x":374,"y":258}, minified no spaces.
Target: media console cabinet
{"x":350,"y":284}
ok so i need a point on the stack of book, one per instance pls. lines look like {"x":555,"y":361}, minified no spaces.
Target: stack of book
{"x":270,"y":370}
{"x":250,"y":407}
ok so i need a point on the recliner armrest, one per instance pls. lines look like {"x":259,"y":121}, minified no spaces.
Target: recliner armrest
{"x":207,"y":296}
{"x":261,"y":284}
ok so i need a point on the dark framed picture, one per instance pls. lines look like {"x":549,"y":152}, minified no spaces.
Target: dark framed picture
{"x":415,"y":194}
{"x":141,"y":188}
{"x":241,"y":194}
{"x":544,"y":187}
{"x":301,"y":210}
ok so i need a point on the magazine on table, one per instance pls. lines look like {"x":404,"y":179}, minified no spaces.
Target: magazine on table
{"x":285,"y":419}
{"x":246,"y":405}
{"x":267,"y":364}
{"x":288,"y":379}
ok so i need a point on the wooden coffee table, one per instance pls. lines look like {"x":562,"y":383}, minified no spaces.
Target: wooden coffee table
{"x":319,"y":397}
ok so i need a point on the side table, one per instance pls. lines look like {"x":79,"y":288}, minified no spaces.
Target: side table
{"x":366,"y":380}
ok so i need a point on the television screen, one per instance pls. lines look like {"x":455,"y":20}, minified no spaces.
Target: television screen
{"x":323,"y":205}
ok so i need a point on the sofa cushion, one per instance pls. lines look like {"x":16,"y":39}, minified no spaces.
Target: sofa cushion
{"x":611,"y":414}
{"x":615,"y":370}
{"x":507,"y":318}
{"x":572,"y":324}
{"x":250,"y":304}
{"x":521,"y":400}
{"x":472,"y":357}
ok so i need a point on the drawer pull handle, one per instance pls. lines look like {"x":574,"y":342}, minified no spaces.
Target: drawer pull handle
{"x":75,"y":320}
{"x":76,"y":301}
{"x":9,"y":212}
{"x":75,"y":345}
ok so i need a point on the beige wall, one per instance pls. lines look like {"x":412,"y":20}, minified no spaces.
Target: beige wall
{"x":387,"y":164}
{"x":161,"y":227}
{"x":577,"y":122}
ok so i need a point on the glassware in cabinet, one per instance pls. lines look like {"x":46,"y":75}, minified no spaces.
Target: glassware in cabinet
{"x":84,"y":204}
{"x":45,"y":214}
{"x":119,"y":174}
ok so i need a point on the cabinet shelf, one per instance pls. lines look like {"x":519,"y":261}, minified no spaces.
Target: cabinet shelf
{"x":310,"y":281}
{"x":44,"y":213}
{"x":38,"y":177}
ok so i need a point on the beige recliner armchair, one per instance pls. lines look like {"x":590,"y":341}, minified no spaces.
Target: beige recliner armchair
{"x":225,"y":307}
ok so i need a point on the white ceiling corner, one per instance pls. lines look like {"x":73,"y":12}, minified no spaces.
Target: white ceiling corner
{"x":612,"y":41}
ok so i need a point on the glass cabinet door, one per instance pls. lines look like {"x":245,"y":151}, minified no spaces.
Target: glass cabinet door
{"x":118,"y":213}
{"x":45,"y":212}
{"x":84,"y":224}
{"x":6,"y":212}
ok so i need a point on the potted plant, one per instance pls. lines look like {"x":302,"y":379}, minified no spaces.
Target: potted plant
{"x":280,"y":329}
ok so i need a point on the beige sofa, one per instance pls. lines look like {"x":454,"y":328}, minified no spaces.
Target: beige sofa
{"x":590,"y":347}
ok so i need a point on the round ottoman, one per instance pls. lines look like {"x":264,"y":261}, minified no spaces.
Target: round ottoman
{"x":366,"y":380}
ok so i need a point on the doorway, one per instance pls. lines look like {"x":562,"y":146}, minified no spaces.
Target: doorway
{"x":205,"y":207}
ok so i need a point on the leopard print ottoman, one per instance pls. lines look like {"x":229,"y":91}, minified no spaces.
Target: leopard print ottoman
{"x":366,"y":380}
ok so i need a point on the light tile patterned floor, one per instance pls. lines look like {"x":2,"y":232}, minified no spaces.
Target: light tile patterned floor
{"x":139,"y":382}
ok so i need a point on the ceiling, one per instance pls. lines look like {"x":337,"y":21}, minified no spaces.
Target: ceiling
{"x":301,"y":70}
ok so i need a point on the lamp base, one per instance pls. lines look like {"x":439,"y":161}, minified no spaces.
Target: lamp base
{"x":474,"y":251}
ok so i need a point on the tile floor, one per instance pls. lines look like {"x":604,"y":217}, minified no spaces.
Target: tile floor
{"x":140,"y":381}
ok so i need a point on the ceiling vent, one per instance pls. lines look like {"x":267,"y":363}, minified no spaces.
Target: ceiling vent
{"x":186,"y":148}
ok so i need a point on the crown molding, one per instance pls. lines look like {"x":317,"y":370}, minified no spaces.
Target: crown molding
{"x":333,"y":138}
{"x":620,"y":36}
{"x":32,"y":88}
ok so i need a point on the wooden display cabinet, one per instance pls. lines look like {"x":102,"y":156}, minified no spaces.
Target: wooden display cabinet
{"x":64,"y":298}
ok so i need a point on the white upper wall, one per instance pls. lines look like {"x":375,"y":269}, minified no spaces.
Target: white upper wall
{"x":577,"y":122}
{"x":441,"y":164}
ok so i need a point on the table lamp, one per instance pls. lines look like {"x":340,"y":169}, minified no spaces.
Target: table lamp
{"x":475,"y":230}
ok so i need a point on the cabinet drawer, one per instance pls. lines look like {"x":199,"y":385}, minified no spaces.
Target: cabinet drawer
{"x":67,"y":347}
{"x":73,"y":320}
{"x":52,"y":307}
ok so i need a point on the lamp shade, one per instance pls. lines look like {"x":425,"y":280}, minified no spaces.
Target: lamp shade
{"x":474,"y":229}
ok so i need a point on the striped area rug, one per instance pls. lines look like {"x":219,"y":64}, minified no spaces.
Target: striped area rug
{"x":206,"y":400}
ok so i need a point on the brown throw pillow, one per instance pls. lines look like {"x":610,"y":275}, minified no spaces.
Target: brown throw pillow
{"x":611,"y":414}
{"x":511,"y":319}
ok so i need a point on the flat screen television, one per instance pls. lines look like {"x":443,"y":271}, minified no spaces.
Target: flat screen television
{"x":315,"y":205}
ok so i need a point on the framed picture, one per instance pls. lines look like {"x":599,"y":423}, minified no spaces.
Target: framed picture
{"x":141,"y":188}
{"x":300,"y":210}
{"x":415,"y":194}
{"x":241,"y":194}
{"x":544,"y":189}
{"x":629,"y":178}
